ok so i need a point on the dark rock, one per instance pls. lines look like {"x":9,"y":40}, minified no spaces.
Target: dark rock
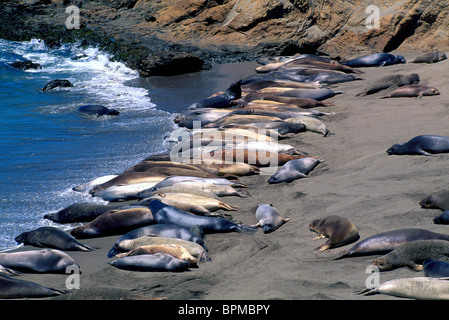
{"x":25,"y":65}
{"x":56,"y":84}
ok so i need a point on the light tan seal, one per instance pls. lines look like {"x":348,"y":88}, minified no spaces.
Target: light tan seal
{"x":339,"y":230}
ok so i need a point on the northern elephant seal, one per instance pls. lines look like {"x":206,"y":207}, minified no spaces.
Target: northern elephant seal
{"x":375,"y":60}
{"x":97,"y":110}
{"x":435,"y":269}
{"x":421,"y":145}
{"x":115,"y":222}
{"x":223,"y":100}
{"x":339,"y":230}
{"x":413,"y":254}
{"x":269,"y":218}
{"x":430,"y":57}
{"x":151,"y":262}
{"x":159,"y":230}
{"x":175,"y":250}
{"x":387,"y":241}
{"x":92,"y":183}
{"x":413,"y":90}
{"x":58,"y":83}
{"x":294,"y":169}
{"x":51,"y":237}
{"x":436,"y":201}
{"x":442,"y":218}
{"x":13,"y":288}
{"x":167,"y":214}
{"x":37,"y":261}
{"x":390,"y":81}
{"x":78,"y":212}
{"x":421,"y":288}
{"x":127,"y":178}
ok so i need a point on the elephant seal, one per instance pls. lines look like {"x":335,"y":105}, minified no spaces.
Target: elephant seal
{"x":159,"y":230}
{"x":436,"y":201}
{"x":79,"y":212}
{"x":167,"y":214}
{"x":316,"y":94}
{"x":413,"y":90}
{"x":115,"y":222}
{"x":92,"y":183}
{"x":430,"y":57}
{"x":172,"y":249}
{"x":37,"y":261}
{"x":51,"y":237}
{"x":97,"y":110}
{"x":425,"y":145}
{"x":339,"y":230}
{"x":435,"y":269}
{"x":413,"y":254}
{"x":223,"y":100}
{"x":390,"y":81}
{"x":58,"y":83}
{"x":375,"y":60}
{"x":269,"y":218}
{"x":151,"y":262}
{"x":294,"y":169}
{"x":442,"y":218}
{"x":11,"y":288}
{"x":127,"y":178}
{"x":304,"y":103}
{"x":421,"y":288}
{"x":387,"y":241}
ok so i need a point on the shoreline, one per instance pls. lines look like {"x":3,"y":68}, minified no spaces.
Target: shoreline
{"x":358,"y":180}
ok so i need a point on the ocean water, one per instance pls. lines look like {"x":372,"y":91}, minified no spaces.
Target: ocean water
{"x":47,"y":147}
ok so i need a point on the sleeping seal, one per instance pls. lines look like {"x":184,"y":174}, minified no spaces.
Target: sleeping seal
{"x":413,"y":90}
{"x":167,"y":214}
{"x":269,"y":218}
{"x":97,"y":110}
{"x":11,"y":288}
{"x":51,"y":237}
{"x":436,"y":269}
{"x":151,"y":262}
{"x":422,"y":145}
{"x":223,"y":100}
{"x":294,"y":169}
{"x":436,"y":201}
{"x":375,"y":60}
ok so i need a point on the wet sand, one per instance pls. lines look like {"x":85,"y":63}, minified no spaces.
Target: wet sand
{"x":358,"y":180}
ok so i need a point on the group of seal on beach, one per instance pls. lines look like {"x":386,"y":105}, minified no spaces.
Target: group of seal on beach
{"x":174,"y":203}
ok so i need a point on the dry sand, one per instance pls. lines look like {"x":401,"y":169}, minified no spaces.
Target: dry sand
{"x":358,"y":180}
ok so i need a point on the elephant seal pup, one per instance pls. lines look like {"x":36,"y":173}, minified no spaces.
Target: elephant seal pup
{"x":97,"y":110}
{"x":430,"y":57}
{"x":425,"y":145}
{"x":223,"y":100}
{"x":51,"y":237}
{"x":269,"y":218}
{"x":435,"y":269}
{"x":294,"y":169}
{"x":376,"y":60}
{"x":115,"y":222}
{"x":167,"y":214}
{"x":413,"y":90}
{"x":420,"y":288}
{"x":79,"y":212}
{"x":339,"y":230}
{"x":37,"y":261}
{"x":11,"y":288}
{"x":436,"y":201}
{"x":58,"y":83}
{"x":172,"y":249}
{"x":413,"y":254}
{"x":442,"y":218}
{"x":390,"y":81}
{"x":387,"y":241}
{"x":151,"y":262}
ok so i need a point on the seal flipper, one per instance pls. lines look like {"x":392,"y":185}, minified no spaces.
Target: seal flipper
{"x":245,"y":229}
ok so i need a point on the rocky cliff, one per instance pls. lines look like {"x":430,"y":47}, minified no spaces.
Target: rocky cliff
{"x":176,"y":36}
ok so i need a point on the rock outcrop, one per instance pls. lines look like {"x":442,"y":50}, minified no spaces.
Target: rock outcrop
{"x":167,"y":37}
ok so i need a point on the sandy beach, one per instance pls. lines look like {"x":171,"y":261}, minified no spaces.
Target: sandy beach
{"x":358,"y":181}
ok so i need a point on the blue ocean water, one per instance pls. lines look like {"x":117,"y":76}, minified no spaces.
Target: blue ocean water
{"x":47,"y":147}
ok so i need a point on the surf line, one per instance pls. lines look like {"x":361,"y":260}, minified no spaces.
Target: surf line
{"x":227,"y":309}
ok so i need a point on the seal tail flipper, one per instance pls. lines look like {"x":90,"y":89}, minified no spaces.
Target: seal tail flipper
{"x":342,"y":254}
{"x":328,"y":133}
{"x":245,"y":229}
{"x":228,"y":207}
{"x":368,"y":292}
{"x":197,"y":230}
